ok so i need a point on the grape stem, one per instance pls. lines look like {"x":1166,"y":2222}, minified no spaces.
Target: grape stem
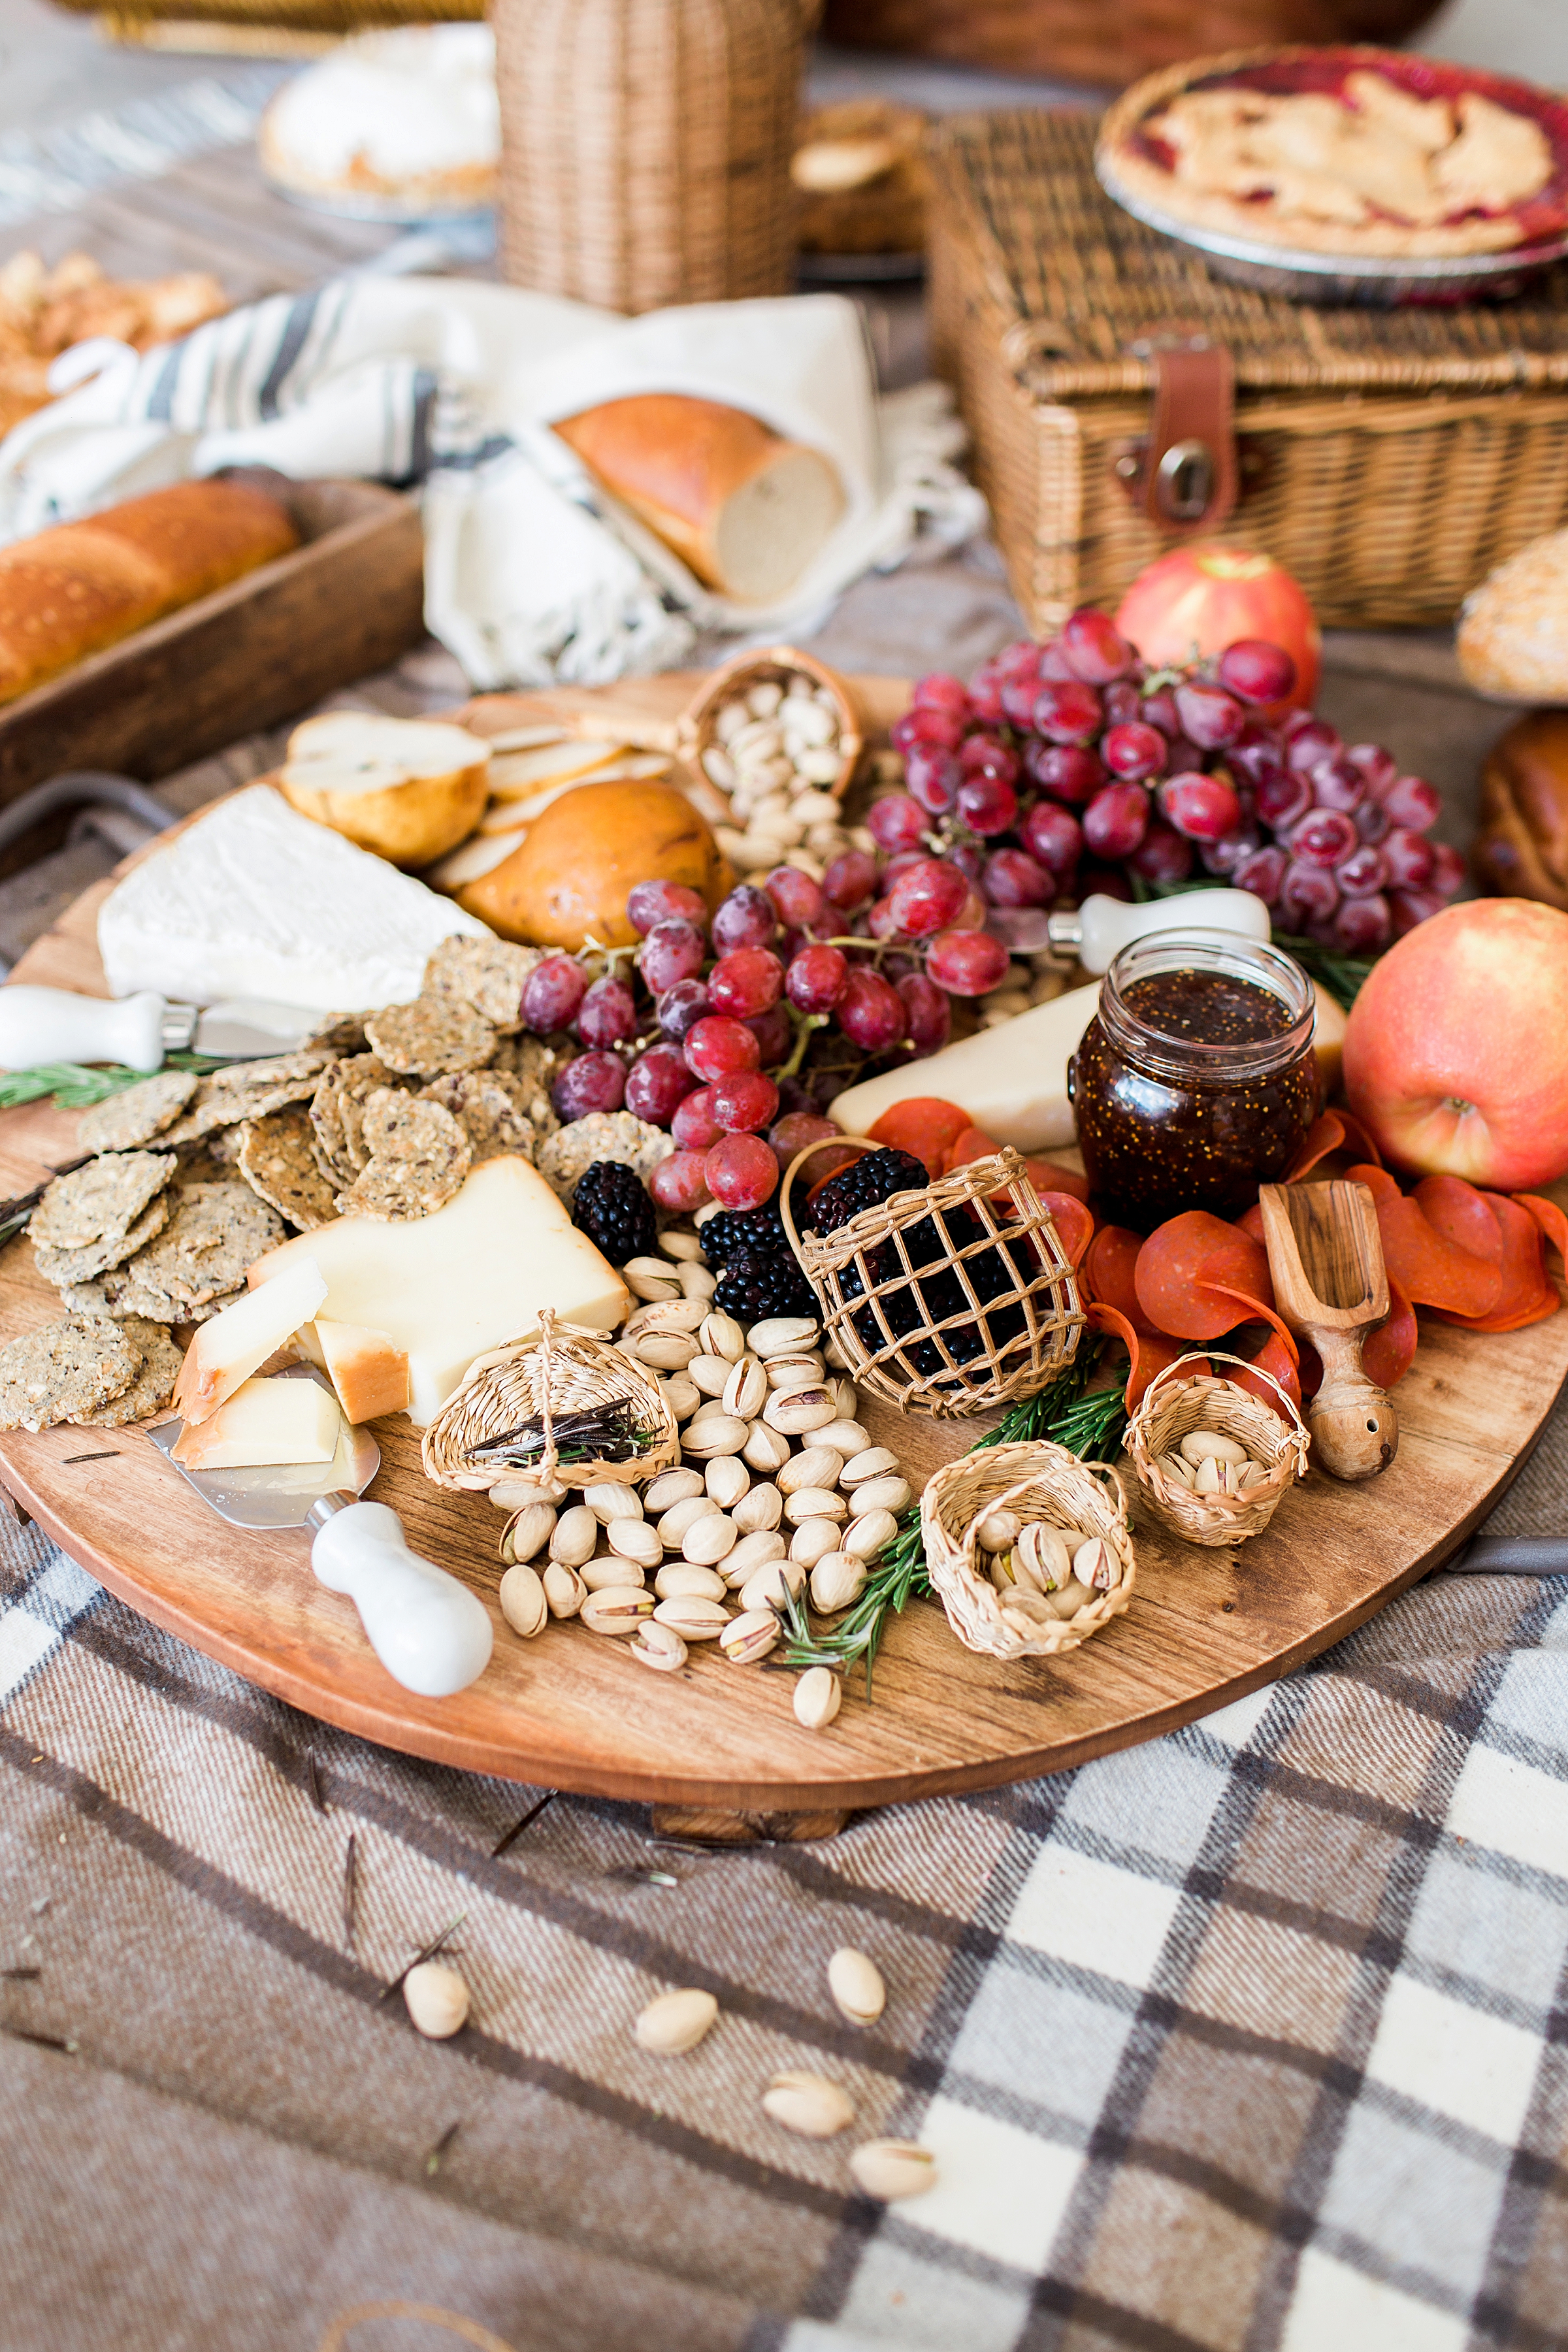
{"x":804,"y":1025}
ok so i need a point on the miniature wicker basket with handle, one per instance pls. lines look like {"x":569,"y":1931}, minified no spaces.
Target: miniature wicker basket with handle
{"x":566,"y":1370}
{"x":874,"y":1298}
{"x":1036,"y":1480}
{"x":694,"y":729}
{"x":1172,"y":1409}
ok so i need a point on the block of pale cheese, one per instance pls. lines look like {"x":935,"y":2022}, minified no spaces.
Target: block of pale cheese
{"x":264,"y":1422}
{"x":1012,"y":1080}
{"x":226,"y":1351}
{"x":368,"y":1368}
{"x":254,"y":899}
{"x":446,"y":1288}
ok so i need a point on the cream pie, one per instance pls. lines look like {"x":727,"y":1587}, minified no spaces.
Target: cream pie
{"x":406,"y":122}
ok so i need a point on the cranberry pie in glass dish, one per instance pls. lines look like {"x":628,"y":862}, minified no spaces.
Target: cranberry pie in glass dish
{"x":1345,"y":174}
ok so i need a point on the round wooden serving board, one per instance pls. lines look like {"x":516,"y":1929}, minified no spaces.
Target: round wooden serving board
{"x":568,"y":1710}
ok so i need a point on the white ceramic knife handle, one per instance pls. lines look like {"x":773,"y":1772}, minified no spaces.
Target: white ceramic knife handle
{"x":50,"y":1025}
{"x":431,"y":1633}
{"x":1109,"y":924}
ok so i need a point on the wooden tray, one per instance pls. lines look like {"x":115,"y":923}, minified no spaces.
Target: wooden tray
{"x":568,"y":1711}
{"x":349,"y":601}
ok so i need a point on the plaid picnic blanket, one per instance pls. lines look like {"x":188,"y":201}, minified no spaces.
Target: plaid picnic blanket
{"x":1249,"y":2037}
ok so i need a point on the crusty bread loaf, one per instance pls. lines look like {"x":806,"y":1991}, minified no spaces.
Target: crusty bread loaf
{"x":746,"y":509}
{"x":1521,"y":849}
{"x":84,"y":585}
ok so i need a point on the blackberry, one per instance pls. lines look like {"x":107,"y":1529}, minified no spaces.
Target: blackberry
{"x":759,"y":1273}
{"x":874,"y":1176}
{"x":613,"y":1208}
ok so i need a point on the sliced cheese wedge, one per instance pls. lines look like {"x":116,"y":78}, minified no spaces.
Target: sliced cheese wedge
{"x":226,"y":1351}
{"x":264,"y":1422}
{"x":449,"y":1287}
{"x":368,"y":1368}
{"x":1012,"y":1080}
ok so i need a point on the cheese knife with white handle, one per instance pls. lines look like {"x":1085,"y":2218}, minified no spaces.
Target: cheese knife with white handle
{"x":50,"y":1025}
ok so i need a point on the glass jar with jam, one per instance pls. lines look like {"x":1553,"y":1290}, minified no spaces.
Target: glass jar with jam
{"x":1195,"y":1080}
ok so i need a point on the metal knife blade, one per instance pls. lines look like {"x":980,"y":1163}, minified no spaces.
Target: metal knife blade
{"x":248,"y":1027}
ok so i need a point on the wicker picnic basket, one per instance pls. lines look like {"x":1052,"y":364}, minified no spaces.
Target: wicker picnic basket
{"x":1389,"y":458}
{"x":565,"y":1370}
{"x":1173,"y":1405}
{"x":866,"y":1284}
{"x":1036,"y":1480}
{"x":646,"y":147}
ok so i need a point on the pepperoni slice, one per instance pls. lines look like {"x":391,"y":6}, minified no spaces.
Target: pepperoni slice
{"x":1432,"y":1267}
{"x":1149,"y":1352}
{"x":1274,"y":1357}
{"x":1106,"y":1274}
{"x":1074,"y":1224}
{"x":1550,"y":1220}
{"x":1194,"y":1270}
{"x":928,"y":1128}
{"x":1388,"y":1351}
{"x":1528,"y":1294}
{"x":1325,"y":1135}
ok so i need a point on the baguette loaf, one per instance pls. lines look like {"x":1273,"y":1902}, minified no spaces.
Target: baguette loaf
{"x":84,"y":585}
{"x":746,"y":509}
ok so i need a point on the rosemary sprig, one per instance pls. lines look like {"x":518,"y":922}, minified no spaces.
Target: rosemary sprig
{"x":75,"y":1087}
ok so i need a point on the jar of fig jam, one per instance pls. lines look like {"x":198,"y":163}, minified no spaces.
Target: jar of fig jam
{"x":1195,"y":1080}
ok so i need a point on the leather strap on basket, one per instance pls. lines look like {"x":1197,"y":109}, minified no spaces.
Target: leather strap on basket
{"x":1188,"y":480}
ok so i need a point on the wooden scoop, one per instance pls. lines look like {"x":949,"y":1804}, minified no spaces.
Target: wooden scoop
{"x":1325,"y":1257}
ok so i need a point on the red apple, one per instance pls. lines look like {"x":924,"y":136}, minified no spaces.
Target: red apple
{"x":1455,"y":1053}
{"x":1211,"y":597}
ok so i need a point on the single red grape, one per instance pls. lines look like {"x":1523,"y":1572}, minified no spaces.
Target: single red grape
{"x":745,"y":920}
{"x":1256,"y":670}
{"x":551,"y":993}
{"x":679,"y":1184}
{"x":773,"y":1033}
{"x":1448,"y":870}
{"x":1069,"y":771}
{"x":1376,"y":765}
{"x":1210,"y":718}
{"x":1095,"y":647}
{"x":692,"y":1123}
{"x":927,"y":1012}
{"x":1409,"y":908}
{"x":1256,"y":754}
{"x":1014,"y":878}
{"x":1067,"y":713}
{"x":897,"y":823}
{"x":1054,"y":836}
{"x":1308,"y":894}
{"x":987,"y":806}
{"x":717,"y":1048}
{"x":932,"y":777}
{"x":939,"y":690}
{"x":850,"y":878}
{"x":983,"y":755}
{"x":1205,"y":808}
{"x":986,"y":698}
{"x":608,"y":1014}
{"x":1054,"y":666}
{"x":1160,"y":710}
{"x":1116,"y":820}
{"x":1018,"y":696}
{"x":792,"y":1133}
{"x":746,"y":981}
{"x":815,"y":980}
{"x":967,"y":963}
{"x":1263,"y":873}
{"x":657,"y":1085}
{"x":746,"y":1103}
{"x":881,"y":923}
{"x":1325,"y":837}
{"x":1372,"y":820}
{"x":1307,"y":740}
{"x":742,"y":1172}
{"x":1231,"y":850}
{"x":906,"y":860}
{"x":1283,"y":797}
{"x":1410,"y":857}
{"x":927,"y":897}
{"x":596,"y":1081}
{"x":1123,"y":704}
{"x":924,"y":725}
{"x":1336,"y":784}
{"x":797,"y":901}
{"x":674,"y":950}
{"x":870,"y":1012}
{"x":648,"y":903}
{"x":1362,"y":926}
{"x":1022,"y":654}
{"x":1362,"y":873}
{"x":681,"y":1007}
{"x":1163,"y":854}
{"x":1133,"y":751}
{"x":1412,"y":801}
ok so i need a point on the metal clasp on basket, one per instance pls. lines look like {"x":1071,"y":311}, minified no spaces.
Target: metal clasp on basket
{"x":1184,"y":476}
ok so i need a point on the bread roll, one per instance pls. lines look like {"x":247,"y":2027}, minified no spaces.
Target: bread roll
{"x":84,"y":585}
{"x":1513,"y":631}
{"x":1521,"y":849}
{"x":746,"y":509}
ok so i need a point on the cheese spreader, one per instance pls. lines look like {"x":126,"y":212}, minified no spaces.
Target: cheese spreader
{"x":1097,"y":931}
{"x":431,"y":1633}
{"x":51,"y":1025}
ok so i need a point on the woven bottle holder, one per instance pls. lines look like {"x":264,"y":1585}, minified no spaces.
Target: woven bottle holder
{"x":566,"y":1370}
{"x":694,"y":728}
{"x":1038,"y":1481}
{"x":646,"y":147}
{"x":1170,"y":1412}
{"x":916,"y":1369}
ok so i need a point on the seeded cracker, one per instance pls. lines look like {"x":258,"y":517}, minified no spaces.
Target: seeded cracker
{"x":248,"y":1090}
{"x":336,"y":1032}
{"x":63,"y":1267}
{"x":137,"y":1115}
{"x":487,"y":975}
{"x":217,"y":1231}
{"x":153,"y":1389}
{"x":68,"y":1367}
{"x":99,"y":1201}
{"x":277,"y":1162}
{"x":431,"y":1037}
{"x":603,"y":1135}
{"x":419,"y":1157}
{"x":486,"y":1105}
{"x":536,"y":1066}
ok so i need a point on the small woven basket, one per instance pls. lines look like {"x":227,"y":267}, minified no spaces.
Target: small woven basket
{"x":694,"y":728}
{"x":863,"y":1276}
{"x":1039,"y":1481}
{"x":566,"y":1370}
{"x":1170,"y":1412}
